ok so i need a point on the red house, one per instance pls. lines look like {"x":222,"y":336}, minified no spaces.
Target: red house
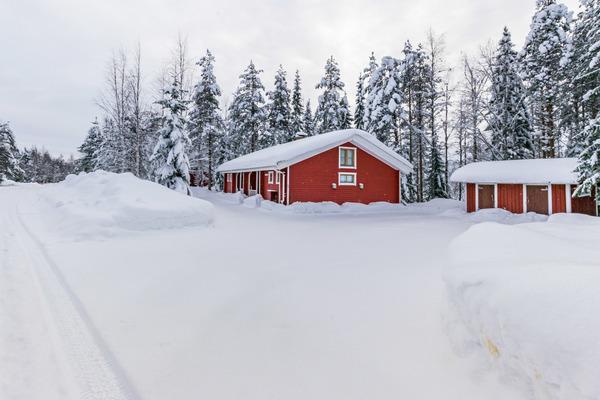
{"x":544,"y":186}
{"x":340,"y":166}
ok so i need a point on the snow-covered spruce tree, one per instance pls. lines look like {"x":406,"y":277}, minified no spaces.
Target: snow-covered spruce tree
{"x":9,"y":155}
{"x":170,"y":150}
{"x":308,"y":121}
{"x":588,"y":167}
{"x":436,"y":184}
{"x":296,"y":124}
{"x":279,"y":110}
{"x":345,"y":113}
{"x":90,"y":148}
{"x":247,"y":115}
{"x":359,"y":108}
{"x":331,"y":113}
{"x":509,"y":119}
{"x":383,"y":105}
{"x":584,"y":73}
{"x":206,"y":126}
{"x":543,"y":58}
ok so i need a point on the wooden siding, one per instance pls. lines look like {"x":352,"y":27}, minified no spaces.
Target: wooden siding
{"x":584,"y":205}
{"x":510,"y":197}
{"x":312,"y":179}
{"x":471,"y":197}
{"x":559,"y":199}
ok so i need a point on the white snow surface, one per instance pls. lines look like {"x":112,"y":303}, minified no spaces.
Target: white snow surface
{"x":104,"y":203}
{"x":283,"y":155}
{"x":526,"y":299}
{"x":548,"y":170}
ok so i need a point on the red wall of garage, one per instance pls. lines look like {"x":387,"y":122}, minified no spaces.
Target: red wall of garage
{"x":311,"y":179}
{"x":471,"y":197}
{"x":559,"y":199}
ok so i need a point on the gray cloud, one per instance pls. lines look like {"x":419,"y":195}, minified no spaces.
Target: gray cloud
{"x":54,"y":52}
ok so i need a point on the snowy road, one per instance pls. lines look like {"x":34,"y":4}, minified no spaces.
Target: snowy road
{"x":260,"y":306}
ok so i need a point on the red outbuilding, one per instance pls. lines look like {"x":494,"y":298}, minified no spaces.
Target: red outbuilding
{"x":341,"y":166}
{"x":544,"y":186}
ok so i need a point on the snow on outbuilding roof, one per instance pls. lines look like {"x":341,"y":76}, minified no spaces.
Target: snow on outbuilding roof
{"x":546,"y":170}
{"x":286,"y":154}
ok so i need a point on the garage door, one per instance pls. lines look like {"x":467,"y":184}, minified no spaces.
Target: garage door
{"x":486,"y":196}
{"x":537,"y":199}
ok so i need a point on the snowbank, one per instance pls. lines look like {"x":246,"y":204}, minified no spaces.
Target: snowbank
{"x":526,"y":296}
{"x":103,"y":203}
{"x":504,"y":217}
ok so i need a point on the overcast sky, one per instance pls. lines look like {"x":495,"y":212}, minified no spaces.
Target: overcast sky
{"x":53,"y":53}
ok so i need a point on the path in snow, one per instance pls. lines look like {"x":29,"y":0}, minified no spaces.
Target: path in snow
{"x":49,"y":349}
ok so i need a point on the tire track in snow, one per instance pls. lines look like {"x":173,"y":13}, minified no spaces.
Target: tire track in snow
{"x":97,"y":373}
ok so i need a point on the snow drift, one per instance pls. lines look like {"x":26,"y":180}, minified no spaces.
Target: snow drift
{"x":103,"y":203}
{"x":527,"y":297}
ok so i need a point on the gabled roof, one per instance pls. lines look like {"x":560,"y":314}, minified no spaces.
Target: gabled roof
{"x":539,"y":170}
{"x":284,"y":155}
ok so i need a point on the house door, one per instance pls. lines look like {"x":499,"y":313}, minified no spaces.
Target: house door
{"x":584,"y":205}
{"x":274,"y":197}
{"x":537,"y":199}
{"x":486,"y":196}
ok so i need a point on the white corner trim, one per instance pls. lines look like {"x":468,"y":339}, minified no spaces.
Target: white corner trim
{"x":346,"y":173}
{"x":495,"y":195}
{"x":549,"y":199}
{"x":287,"y":191}
{"x":477,"y":197}
{"x":524,"y":198}
{"x":569,"y":208}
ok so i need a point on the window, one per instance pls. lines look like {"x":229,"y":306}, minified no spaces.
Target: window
{"x":228,"y":177}
{"x":347,"y":157}
{"x":347,"y":179}
{"x":270,"y":176}
{"x":277,"y":178}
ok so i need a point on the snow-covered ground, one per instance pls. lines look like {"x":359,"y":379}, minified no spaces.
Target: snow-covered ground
{"x":527,"y":297}
{"x":245,"y":300}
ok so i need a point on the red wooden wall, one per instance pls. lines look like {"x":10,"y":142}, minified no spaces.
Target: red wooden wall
{"x":311,"y":179}
{"x":471,"y":197}
{"x":510,"y":197}
{"x":559,"y":199}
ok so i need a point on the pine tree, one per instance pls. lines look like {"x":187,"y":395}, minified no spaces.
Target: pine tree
{"x":90,"y":148}
{"x":436,"y":184}
{"x":509,"y":120}
{"x":170,"y":150}
{"x":308,"y":121}
{"x":359,"y":109}
{"x":279,"y":111}
{"x":588,"y":167}
{"x":544,"y":56}
{"x":345,"y":114}
{"x":332,"y":112}
{"x":583,"y":87}
{"x":296,"y":124}
{"x":205,"y":121}
{"x":247,"y":115}
{"x":383,"y":106}
{"x":9,"y":155}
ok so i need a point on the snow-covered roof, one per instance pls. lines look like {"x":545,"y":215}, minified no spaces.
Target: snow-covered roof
{"x":546,"y":170}
{"x":284,"y":155}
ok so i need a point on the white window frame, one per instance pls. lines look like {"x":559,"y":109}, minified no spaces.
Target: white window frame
{"x":340,"y":157}
{"x":229,"y":178}
{"x":277,"y":177}
{"x":340,"y":183}
{"x":270,"y":177}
